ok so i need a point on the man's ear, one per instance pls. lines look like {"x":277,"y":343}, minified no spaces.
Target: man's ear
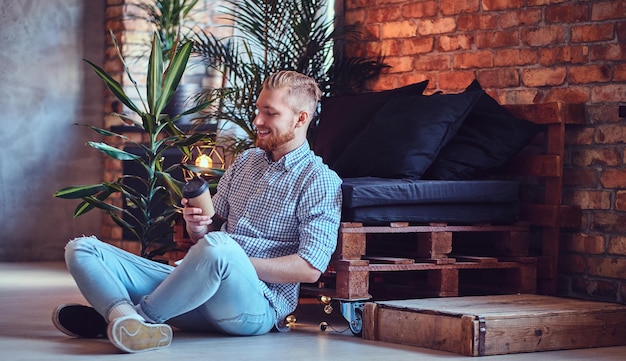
{"x":303,"y":119}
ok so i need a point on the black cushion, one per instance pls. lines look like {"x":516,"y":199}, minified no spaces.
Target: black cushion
{"x":371,"y":191}
{"x":379,"y":201}
{"x":405,"y":136}
{"x":343,"y":117}
{"x":489,"y":137}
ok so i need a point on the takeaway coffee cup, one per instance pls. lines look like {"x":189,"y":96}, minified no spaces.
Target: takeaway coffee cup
{"x":196,"y":190}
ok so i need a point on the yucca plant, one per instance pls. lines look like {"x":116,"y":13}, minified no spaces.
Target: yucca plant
{"x":272,"y":35}
{"x":158,"y":188}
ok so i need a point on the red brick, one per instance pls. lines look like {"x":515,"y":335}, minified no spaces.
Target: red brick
{"x":518,"y":96}
{"x":608,"y":93}
{"x":398,"y":29}
{"x":452,"y":7}
{"x":568,"y":94}
{"x":370,"y":33}
{"x":420,"y":10}
{"x":436,"y":26}
{"x":580,"y":177}
{"x":611,"y":267}
{"x":608,"y":10}
{"x":513,"y":57}
{"x":567,"y":13}
{"x":545,"y":35}
{"x":489,"y":5}
{"x":482,"y":59}
{"x":390,"y":47}
{"x":381,"y":15}
{"x":613,"y":178}
{"x":564,"y":55}
{"x":516,"y":18}
{"x":584,"y":243}
{"x":619,"y":72}
{"x":620,"y":201}
{"x":579,"y":135}
{"x":412,"y":78}
{"x":589,"y":74}
{"x":498,"y":78}
{"x":591,"y":33}
{"x":399,"y":64}
{"x":621,"y":31}
{"x":596,"y":156}
{"x":597,"y":288}
{"x":497,"y":39}
{"x":602,"y":113}
{"x":617,"y":245}
{"x":431,"y":62}
{"x":588,"y":199}
{"x":543,"y":76}
{"x":611,"y":134}
{"x":454,"y":80}
{"x":477,"y":22}
{"x":454,"y":42}
{"x":607,"y":52}
{"x":416,"y":45}
{"x":610,"y":222}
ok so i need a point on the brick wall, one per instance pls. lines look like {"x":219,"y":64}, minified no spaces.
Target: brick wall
{"x":528,"y":51}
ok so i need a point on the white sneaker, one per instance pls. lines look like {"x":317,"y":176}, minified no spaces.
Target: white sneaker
{"x":133,"y":335}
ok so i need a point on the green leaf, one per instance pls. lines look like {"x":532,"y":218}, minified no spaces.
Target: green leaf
{"x":102,"y":205}
{"x":122,"y":223}
{"x":113,"y":86}
{"x":112,"y":151}
{"x":155,"y":74}
{"x":172,"y":184}
{"x":85,"y":206}
{"x":82,"y":208}
{"x":172,"y":76}
{"x":104,"y":132}
{"x":75,"y":192}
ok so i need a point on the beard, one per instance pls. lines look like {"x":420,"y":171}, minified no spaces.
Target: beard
{"x":275,"y":140}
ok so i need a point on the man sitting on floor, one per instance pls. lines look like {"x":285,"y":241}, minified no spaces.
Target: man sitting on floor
{"x":281,"y":208}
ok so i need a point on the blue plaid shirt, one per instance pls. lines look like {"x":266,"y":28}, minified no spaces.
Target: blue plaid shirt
{"x":275,"y":209}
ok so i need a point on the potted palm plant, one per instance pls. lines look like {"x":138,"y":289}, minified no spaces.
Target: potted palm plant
{"x":158,"y":186}
{"x":275,"y":35}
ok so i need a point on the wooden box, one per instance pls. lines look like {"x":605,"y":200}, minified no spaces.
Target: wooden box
{"x":491,"y":325}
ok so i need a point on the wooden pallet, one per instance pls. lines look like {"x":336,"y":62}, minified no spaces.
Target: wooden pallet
{"x":491,"y":325}
{"x":352,"y":269}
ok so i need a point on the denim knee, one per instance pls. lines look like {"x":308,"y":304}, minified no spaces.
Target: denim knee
{"x":80,"y":243}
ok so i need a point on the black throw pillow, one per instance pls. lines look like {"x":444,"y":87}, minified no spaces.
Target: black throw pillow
{"x":489,"y":137}
{"x":405,"y":136}
{"x":342,"y":118}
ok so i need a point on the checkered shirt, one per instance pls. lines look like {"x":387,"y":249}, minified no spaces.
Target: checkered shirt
{"x":275,"y":209}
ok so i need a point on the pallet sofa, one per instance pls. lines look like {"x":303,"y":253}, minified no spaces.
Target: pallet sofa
{"x":444,"y":195}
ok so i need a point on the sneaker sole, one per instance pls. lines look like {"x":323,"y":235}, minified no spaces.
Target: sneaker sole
{"x":132,"y":335}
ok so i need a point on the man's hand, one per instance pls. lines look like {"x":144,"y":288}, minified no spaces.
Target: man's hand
{"x":197,"y":224}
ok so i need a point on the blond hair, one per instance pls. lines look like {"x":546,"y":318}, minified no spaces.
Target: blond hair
{"x":303,"y":91}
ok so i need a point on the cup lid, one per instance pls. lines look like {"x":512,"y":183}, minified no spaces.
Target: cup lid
{"x":194,"y":187}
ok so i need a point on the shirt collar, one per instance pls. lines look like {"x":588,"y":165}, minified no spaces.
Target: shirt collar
{"x":290,"y":159}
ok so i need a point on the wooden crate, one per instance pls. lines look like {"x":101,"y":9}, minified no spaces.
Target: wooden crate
{"x":492,"y":325}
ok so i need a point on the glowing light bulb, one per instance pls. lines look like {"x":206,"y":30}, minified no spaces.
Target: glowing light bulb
{"x":204,"y":162}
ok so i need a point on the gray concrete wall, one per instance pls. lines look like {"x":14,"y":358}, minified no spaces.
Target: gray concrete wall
{"x":45,"y":87}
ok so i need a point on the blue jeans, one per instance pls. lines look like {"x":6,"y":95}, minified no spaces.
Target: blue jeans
{"x":215,"y":288}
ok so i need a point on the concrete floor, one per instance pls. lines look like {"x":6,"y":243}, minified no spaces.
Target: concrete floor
{"x":30,"y":291}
